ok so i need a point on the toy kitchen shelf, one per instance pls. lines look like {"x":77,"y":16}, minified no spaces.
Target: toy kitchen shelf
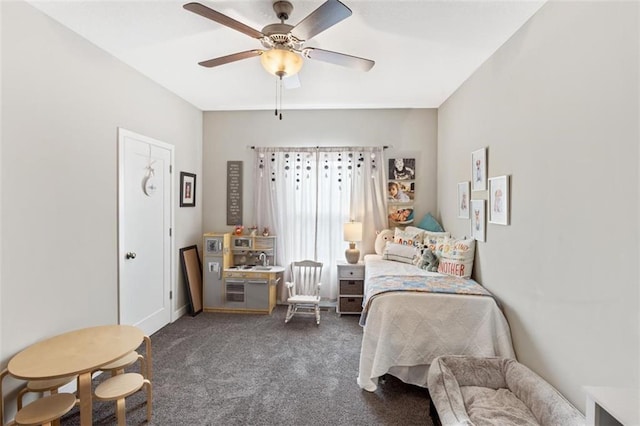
{"x":246,"y":249}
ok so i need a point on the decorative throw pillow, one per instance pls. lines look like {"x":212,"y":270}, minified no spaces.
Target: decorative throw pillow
{"x":456,"y":257}
{"x":409,"y":236}
{"x":400,"y":252}
{"x":382,"y":238}
{"x":434,"y":240}
{"x":429,"y":223}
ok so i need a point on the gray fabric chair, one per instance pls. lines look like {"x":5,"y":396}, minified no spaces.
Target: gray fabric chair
{"x":495,"y":391}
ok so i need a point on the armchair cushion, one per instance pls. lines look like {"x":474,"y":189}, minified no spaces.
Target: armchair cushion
{"x":476,"y":391}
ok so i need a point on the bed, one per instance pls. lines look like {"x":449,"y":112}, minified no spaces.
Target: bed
{"x":405,"y":330}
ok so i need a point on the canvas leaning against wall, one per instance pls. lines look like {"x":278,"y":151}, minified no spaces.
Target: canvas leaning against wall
{"x":401,"y":191}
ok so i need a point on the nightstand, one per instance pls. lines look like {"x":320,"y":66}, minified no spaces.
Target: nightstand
{"x":350,"y":287}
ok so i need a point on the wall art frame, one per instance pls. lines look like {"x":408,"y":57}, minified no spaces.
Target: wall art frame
{"x":499,"y":200}
{"x":479,"y":170}
{"x":463,"y":199}
{"x":402,"y":168}
{"x":478,"y":220}
{"x":187,"y":189}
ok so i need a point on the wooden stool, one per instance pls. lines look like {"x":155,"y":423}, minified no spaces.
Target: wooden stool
{"x":38,"y":386}
{"x":46,"y":409}
{"x":118,"y":366}
{"x":117,"y":388}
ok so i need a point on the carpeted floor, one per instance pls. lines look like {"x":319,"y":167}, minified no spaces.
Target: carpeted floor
{"x":236,"y":369}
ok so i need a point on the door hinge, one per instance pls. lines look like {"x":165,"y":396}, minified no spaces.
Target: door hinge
{"x":170,"y":232}
{"x":171,"y":295}
{"x":170,"y":168}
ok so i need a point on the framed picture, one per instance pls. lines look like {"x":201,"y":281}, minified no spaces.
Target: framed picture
{"x":463,"y":200}
{"x":187,"y":189}
{"x":192,"y":273}
{"x":479,"y":170}
{"x":400,"y":215}
{"x":400,"y":191}
{"x":499,"y":200}
{"x":402,"y":168}
{"x":478,"y":220}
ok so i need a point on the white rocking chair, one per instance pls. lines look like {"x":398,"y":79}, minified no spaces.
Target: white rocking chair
{"x":304,"y":289}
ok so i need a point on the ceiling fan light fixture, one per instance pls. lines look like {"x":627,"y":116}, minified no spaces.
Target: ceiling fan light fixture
{"x":281,"y":62}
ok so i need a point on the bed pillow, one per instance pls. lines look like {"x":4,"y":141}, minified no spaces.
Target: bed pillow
{"x":429,"y":223}
{"x":434,"y":240}
{"x":382,"y":238}
{"x":410,"y":236}
{"x":400,"y":252}
{"x":456,"y":257}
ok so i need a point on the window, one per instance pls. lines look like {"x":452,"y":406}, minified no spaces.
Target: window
{"x":305,"y":195}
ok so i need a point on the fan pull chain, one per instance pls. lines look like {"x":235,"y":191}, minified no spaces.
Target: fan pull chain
{"x":276,"y":112}
{"x":280,"y":98}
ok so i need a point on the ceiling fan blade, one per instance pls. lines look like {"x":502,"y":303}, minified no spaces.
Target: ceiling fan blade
{"x":218,"y":17}
{"x":291,"y":82}
{"x":328,"y":14}
{"x":338,"y":58}
{"x":230,"y":58}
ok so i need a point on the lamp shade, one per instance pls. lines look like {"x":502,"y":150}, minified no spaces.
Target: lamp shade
{"x":353,"y":231}
{"x":281,"y":62}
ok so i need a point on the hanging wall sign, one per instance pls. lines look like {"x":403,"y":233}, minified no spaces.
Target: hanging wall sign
{"x":234,"y":193}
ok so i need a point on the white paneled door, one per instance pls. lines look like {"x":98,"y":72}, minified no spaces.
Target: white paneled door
{"x":145,"y":192}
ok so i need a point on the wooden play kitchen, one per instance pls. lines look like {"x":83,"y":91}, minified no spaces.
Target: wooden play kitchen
{"x":239,"y":274}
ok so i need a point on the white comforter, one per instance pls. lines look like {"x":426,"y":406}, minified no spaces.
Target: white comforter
{"x":404,"y":331}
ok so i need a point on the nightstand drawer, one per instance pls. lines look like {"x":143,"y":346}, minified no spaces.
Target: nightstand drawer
{"x":350,"y":304}
{"x":352,"y":287}
{"x":346,"y":272}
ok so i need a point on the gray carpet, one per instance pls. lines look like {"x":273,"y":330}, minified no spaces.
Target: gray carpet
{"x":236,"y":369}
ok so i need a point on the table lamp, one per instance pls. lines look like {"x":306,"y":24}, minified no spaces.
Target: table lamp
{"x":352,"y":233}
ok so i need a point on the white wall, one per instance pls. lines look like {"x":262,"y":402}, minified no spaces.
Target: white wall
{"x":227,"y":136}
{"x":1,"y":239}
{"x":557,"y":107}
{"x":62,"y":102}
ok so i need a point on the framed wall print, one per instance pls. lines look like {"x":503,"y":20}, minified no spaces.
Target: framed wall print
{"x":400,"y":215}
{"x":478,"y":220}
{"x":479,"y":170}
{"x":187,"y":189}
{"x":499,"y":200}
{"x":400,"y":191}
{"x":402,"y":168}
{"x":463,"y":200}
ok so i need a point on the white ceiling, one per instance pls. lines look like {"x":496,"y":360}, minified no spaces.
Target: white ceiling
{"x":424,"y":50}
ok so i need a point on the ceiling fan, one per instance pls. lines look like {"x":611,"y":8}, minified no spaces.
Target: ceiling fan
{"x":284,"y":50}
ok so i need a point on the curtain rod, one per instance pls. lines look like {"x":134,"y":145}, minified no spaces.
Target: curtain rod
{"x":318,"y":147}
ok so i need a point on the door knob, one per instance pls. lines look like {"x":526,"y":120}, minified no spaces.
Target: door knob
{"x":130,"y":255}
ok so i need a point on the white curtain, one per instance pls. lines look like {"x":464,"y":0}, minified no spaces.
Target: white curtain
{"x":305,"y":195}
